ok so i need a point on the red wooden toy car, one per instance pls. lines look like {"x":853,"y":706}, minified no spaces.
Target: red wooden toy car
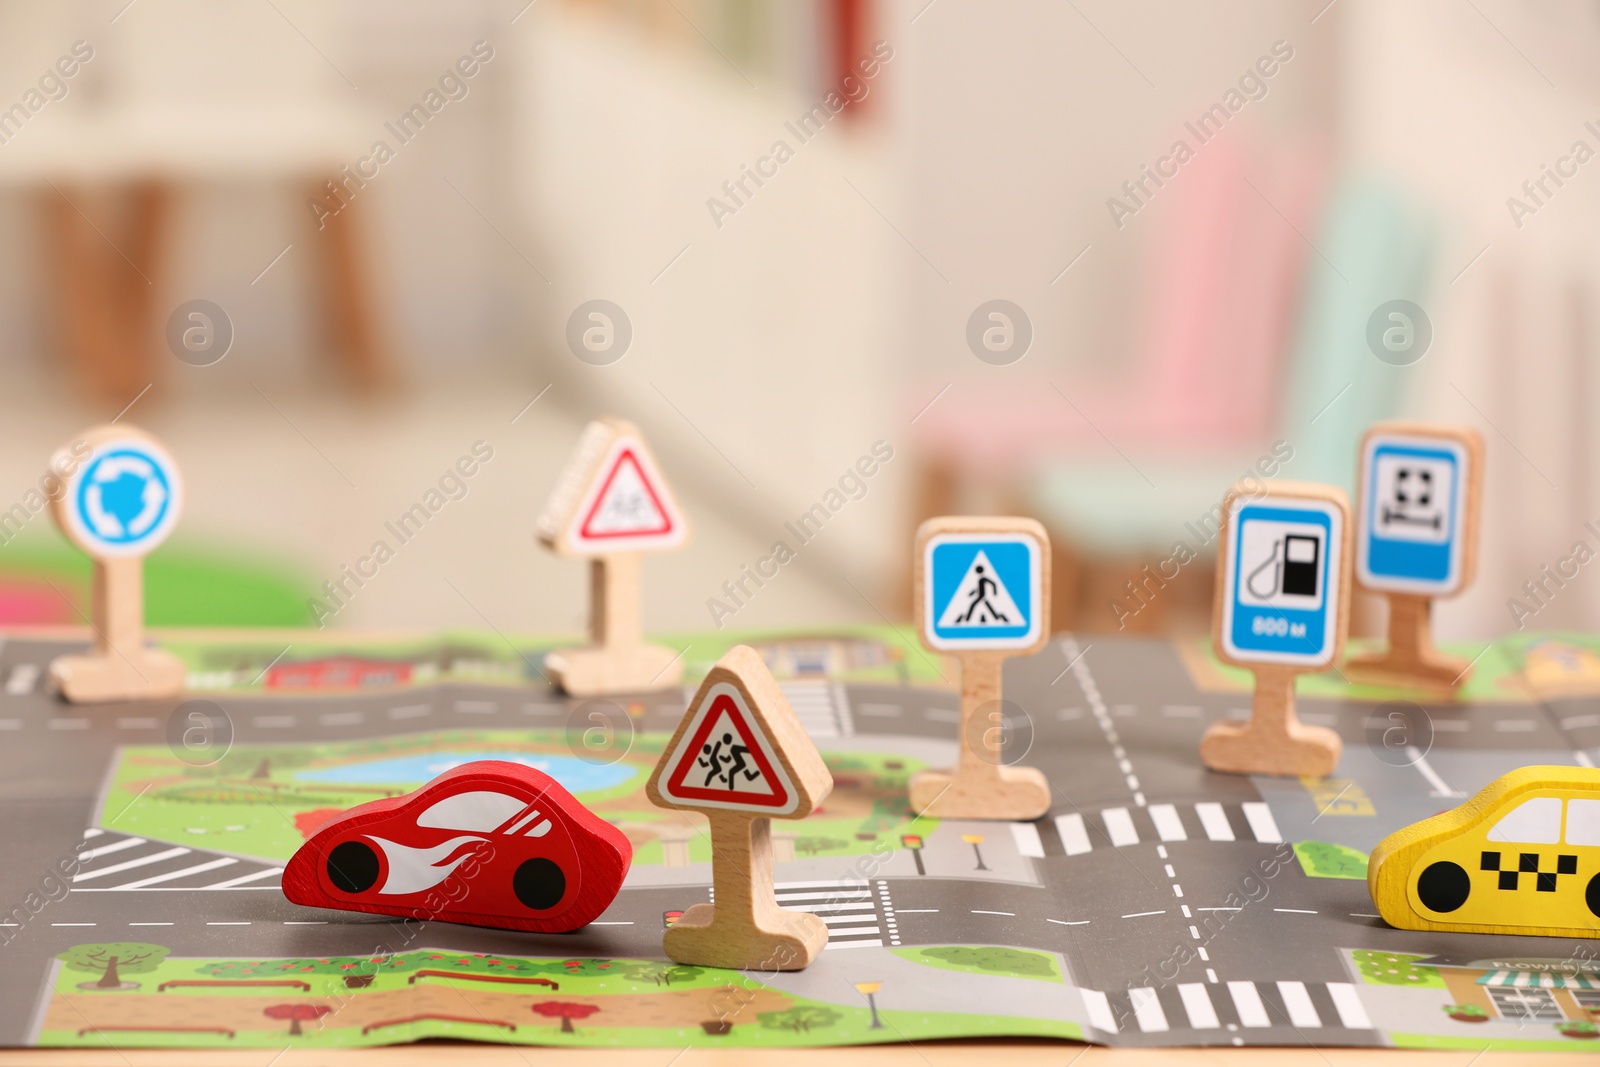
{"x":489,"y":843}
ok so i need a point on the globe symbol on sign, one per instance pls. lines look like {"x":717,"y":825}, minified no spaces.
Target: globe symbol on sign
{"x":123,"y":497}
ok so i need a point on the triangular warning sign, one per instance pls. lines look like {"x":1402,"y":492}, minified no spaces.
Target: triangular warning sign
{"x":981,"y":599}
{"x":726,"y":759}
{"x":627,"y":505}
{"x":741,"y":748}
{"x":611,"y":497}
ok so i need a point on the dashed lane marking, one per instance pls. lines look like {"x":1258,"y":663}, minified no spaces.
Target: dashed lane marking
{"x":274,"y":722}
{"x":409,"y":711}
{"x":1069,"y":922}
{"x":69,"y":724}
{"x":1008,"y":914}
{"x":1141,"y":914}
{"x":342,"y":718}
{"x":138,"y":722}
{"x":1296,"y":911}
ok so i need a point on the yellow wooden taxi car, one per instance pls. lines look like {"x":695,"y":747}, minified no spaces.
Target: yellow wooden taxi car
{"x":1521,"y":857}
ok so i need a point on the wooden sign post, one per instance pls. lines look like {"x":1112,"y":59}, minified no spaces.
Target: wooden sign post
{"x":980,"y":586}
{"x":117,"y":505}
{"x":610,"y":505}
{"x":1282,"y":608}
{"x":1418,"y":509}
{"x":741,"y":757}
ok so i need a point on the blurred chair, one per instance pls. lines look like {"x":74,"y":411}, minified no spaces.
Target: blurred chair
{"x":1371,"y":247}
{"x":1227,"y":261}
{"x":170,"y":108}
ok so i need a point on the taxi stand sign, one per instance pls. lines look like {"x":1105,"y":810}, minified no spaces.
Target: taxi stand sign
{"x":1418,"y":512}
{"x":1285,"y":579}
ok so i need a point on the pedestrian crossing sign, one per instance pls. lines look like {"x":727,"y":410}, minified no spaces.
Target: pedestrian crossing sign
{"x":984,"y":589}
{"x":740,"y":747}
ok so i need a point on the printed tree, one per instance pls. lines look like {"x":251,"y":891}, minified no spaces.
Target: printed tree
{"x":1013,"y":961}
{"x":801,"y":1019}
{"x":810,"y":846}
{"x":1327,"y":860}
{"x":566,"y":1011}
{"x":1390,"y":968}
{"x":111,"y":960}
{"x":297,"y":1014}
{"x":661,"y":972}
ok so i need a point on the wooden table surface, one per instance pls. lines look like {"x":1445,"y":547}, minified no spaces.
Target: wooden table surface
{"x":932,"y":1054}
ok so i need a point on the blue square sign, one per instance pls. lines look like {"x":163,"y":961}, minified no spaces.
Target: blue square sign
{"x":982,"y":591}
{"x":1282,"y":581}
{"x":1413,"y":499}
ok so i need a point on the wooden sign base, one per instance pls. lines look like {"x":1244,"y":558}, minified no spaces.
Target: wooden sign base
{"x":618,"y":660}
{"x":981,"y":786}
{"x":119,"y":667}
{"x":128,"y":674}
{"x":744,"y":929}
{"x":1411,"y":658}
{"x":1274,"y":741}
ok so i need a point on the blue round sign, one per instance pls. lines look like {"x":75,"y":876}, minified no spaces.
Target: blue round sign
{"x":125,"y":500}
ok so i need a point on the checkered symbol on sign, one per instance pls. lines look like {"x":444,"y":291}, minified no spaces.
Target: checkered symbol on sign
{"x":1528,"y":863}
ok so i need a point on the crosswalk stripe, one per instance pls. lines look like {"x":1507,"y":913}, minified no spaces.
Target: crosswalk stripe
{"x":833,"y":884}
{"x":128,"y":865}
{"x":1119,"y":826}
{"x":845,"y":920}
{"x":1197,"y":1003}
{"x":1351,"y":1011}
{"x":172,"y":876}
{"x":1074,"y":838}
{"x":824,"y":897}
{"x":1099,"y":1008}
{"x":243,"y":878}
{"x":1147,"y":1009}
{"x":1215,"y":821}
{"x":23,"y":675}
{"x":1027,"y":838}
{"x":873,"y":943}
{"x":1297,"y":1001}
{"x":1247,"y":1001}
{"x":1168,"y":825}
{"x":867,"y":904}
{"x":1262,"y":823}
{"x":105,"y":850}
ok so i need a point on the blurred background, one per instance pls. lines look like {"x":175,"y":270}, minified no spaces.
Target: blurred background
{"x":1087,"y":261}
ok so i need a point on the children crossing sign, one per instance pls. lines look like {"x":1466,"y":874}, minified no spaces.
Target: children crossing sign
{"x":1417,"y":523}
{"x":1284,"y":576}
{"x":740,"y":756}
{"x":725,"y":760}
{"x":982,"y":590}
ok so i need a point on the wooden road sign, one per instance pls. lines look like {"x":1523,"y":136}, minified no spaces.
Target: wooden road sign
{"x":741,"y":757}
{"x":981,"y":586}
{"x":1282,"y":608}
{"x":611,"y":504}
{"x":117,"y":504}
{"x":1418,"y":510}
